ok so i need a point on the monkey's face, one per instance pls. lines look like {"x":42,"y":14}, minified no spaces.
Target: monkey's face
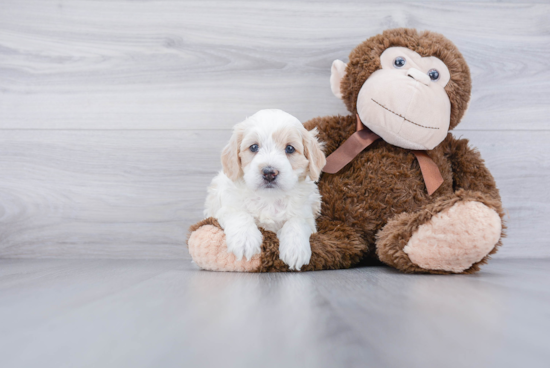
{"x":404,"y":102}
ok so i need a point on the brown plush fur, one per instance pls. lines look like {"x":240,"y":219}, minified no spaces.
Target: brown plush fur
{"x":339,"y":248}
{"x":385,"y":219}
{"x":373,"y":205}
{"x":365,"y":60}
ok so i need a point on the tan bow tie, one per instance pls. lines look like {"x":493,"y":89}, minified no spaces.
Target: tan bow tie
{"x":364,"y":137}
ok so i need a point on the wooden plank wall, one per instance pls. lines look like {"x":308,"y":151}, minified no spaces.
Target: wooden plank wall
{"x":113,"y":113}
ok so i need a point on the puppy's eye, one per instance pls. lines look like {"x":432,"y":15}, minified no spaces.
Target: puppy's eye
{"x":254,"y":148}
{"x":399,"y":62}
{"x":433,"y":74}
{"x":289,"y":149}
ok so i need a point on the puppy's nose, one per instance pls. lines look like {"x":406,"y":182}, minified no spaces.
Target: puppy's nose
{"x":269,"y":174}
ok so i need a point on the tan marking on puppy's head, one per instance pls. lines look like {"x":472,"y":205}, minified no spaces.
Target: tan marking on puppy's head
{"x":308,"y":158}
{"x":290,"y":136}
{"x":245,"y":154}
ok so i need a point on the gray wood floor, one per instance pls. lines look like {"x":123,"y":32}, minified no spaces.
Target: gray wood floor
{"x":162,"y":313}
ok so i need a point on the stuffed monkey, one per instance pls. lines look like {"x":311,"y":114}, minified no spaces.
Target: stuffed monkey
{"x":397,"y":187}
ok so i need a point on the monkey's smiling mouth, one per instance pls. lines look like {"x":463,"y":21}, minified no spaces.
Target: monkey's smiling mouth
{"x":401,"y":116}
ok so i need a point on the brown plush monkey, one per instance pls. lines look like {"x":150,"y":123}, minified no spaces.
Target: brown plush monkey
{"x":391,"y":202}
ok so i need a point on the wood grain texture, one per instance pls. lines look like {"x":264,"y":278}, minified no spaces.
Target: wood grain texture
{"x":132,"y":313}
{"x":115,"y":194}
{"x":133,"y":194}
{"x":113,"y":113}
{"x":205,"y":65}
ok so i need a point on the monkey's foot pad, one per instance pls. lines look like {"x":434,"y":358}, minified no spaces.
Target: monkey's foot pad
{"x":455,"y":239}
{"x":209,"y":251}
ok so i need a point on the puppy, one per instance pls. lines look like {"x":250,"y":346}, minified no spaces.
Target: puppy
{"x":270,"y":166}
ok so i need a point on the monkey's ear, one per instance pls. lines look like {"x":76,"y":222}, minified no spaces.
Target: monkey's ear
{"x":337,"y":72}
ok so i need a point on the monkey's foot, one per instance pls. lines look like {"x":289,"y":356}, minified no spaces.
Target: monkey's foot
{"x":209,"y":251}
{"x":455,"y":239}
{"x":455,"y":234}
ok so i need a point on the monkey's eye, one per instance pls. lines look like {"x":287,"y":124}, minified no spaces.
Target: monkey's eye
{"x":433,"y":74}
{"x":399,"y":62}
{"x":254,"y":148}
{"x":289,"y":149}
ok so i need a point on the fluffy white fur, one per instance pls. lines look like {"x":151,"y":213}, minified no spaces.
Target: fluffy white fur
{"x":242,"y":200}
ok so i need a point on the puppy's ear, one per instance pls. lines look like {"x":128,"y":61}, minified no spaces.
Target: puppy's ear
{"x":231,"y":162}
{"x":314,"y":153}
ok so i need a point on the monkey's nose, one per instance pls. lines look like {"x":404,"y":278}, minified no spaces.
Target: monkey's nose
{"x":269,"y":174}
{"x":419,"y":76}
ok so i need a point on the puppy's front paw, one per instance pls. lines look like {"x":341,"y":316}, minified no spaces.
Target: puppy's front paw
{"x":244,"y":241}
{"x":294,"y":248}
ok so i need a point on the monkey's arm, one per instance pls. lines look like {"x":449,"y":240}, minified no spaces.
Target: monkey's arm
{"x":334,"y":246}
{"x":469,"y":170}
{"x":406,"y":241}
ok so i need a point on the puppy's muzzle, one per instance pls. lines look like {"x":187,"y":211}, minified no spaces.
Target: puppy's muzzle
{"x":269,"y":174}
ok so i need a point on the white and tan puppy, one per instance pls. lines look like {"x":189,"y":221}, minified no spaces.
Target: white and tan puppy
{"x":270,"y":166}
